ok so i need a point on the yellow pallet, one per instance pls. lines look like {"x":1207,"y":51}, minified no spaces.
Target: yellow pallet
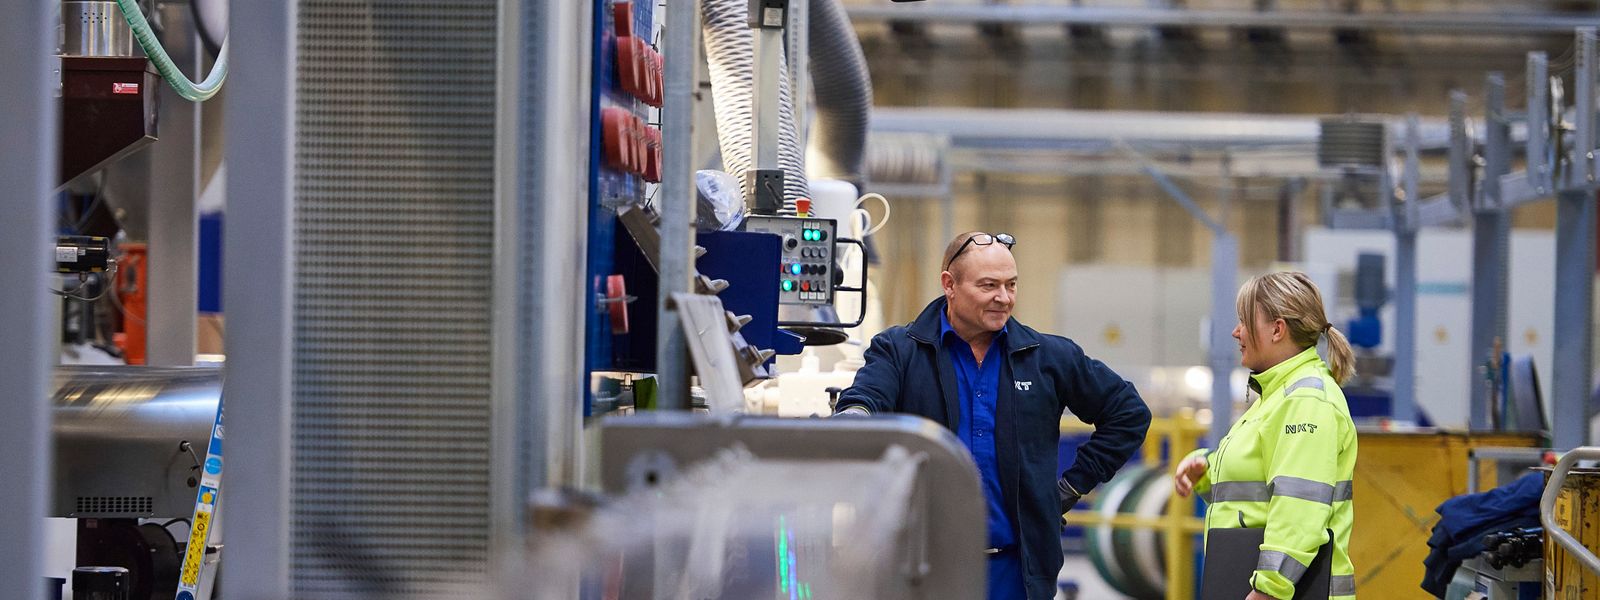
{"x":1400,"y":479}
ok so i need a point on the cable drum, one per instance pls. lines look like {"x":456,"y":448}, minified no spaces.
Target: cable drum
{"x":1131,"y":560}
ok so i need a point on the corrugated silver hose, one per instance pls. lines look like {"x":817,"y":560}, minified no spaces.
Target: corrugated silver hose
{"x":843,"y":89}
{"x":730,"y":53}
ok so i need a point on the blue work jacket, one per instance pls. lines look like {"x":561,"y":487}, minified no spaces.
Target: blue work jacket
{"x":909,"y":371}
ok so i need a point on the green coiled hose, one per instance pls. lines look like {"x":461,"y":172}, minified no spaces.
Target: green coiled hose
{"x":194,"y":92}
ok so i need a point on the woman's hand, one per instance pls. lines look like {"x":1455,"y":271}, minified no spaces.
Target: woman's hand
{"x":1255,"y":595}
{"x":1189,"y":471}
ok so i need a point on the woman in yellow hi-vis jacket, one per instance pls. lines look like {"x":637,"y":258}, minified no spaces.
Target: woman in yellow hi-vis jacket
{"x":1286,"y":464}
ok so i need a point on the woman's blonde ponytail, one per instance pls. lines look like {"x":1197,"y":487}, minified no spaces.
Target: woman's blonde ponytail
{"x":1341,"y":359}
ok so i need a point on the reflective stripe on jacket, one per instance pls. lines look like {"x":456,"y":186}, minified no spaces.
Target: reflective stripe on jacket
{"x":1286,"y":465}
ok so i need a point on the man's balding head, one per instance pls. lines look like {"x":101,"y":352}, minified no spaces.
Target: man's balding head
{"x":980,"y":283}
{"x":954,"y":246}
{"x":959,"y":251}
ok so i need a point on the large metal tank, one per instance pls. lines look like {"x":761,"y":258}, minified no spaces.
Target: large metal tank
{"x":129,"y":441}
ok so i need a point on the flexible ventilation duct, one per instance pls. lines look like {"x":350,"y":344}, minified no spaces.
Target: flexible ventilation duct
{"x":730,"y":53}
{"x":843,"y":89}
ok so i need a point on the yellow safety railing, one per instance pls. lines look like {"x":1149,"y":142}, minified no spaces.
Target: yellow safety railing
{"x":1182,"y":433}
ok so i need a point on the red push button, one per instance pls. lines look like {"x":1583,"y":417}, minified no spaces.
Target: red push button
{"x":652,"y":169}
{"x":636,"y":137}
{"x":614,"y":125}
{"x":622,"y":15}
{"x":654,"y":76}
{"x":617,"y":304}
{"x":629,"y":75}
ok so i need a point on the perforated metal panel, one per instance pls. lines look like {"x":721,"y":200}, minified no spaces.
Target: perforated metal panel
{"x":107,"y":506}
{"x":394,"y":229}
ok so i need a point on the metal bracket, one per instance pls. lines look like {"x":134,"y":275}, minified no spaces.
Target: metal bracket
{"x":768,"y":14}
{"x":765,"y":188}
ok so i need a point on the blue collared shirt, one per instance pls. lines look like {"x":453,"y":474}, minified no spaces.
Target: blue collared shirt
{"x":976,"y":387}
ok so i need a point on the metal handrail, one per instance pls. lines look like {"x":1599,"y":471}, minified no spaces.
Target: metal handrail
{"x":1547,"y":506}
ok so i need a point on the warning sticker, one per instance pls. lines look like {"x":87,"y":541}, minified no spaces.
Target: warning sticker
{"x":196,"y":551}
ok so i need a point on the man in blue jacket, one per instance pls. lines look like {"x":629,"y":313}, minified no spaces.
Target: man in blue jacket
{"x":1002,"y":387}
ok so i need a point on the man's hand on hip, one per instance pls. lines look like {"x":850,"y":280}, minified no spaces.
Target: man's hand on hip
{"x":1069,"y":497}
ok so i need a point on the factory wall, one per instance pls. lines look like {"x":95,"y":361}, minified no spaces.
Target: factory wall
{"x":1067,"y":220}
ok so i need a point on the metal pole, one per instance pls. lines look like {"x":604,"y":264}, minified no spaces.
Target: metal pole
{"x":1575,"y":222}
{"x":1460,"y":155}
{"x":768,"y":72}
{"x":1538,"y":109}
{"x":798,"y":55}
{"x":677,"y":200}
{"x":542,"y":154}
{"x":1491,"y":239}
{"x":1224,"y":281}
{"x":29,"y":170}
{"x":1132,"y":16}
{"x":174,"y":223}
{"x":1221,"y":350}
{"x":1183,"y":198}
{"x":1583,"y":115}
{"x":1405,"y":306}
{"x":258,"y":266}
{"x":1289,"y":219}
{"x":1575,"y":249}
{"x":947,"y":198}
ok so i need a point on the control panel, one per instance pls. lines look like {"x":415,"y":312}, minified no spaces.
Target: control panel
{"x":805,"y":257}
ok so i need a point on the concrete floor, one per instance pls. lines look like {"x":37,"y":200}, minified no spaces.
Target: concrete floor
{"x":1077,"y":569}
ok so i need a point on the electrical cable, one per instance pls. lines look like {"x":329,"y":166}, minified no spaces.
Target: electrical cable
{"x":116,"y":299}
{"x":72,"y":294}
{"x":887,"y":211}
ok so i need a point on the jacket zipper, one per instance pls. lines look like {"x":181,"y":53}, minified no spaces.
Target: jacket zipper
{"x":1222,"y":446}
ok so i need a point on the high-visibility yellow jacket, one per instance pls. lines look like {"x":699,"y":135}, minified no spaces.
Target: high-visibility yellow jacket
{"x":1286,"y":466}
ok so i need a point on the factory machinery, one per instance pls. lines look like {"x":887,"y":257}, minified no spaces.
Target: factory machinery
{"x":456,"y":295}
{"x":461,"y":279}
